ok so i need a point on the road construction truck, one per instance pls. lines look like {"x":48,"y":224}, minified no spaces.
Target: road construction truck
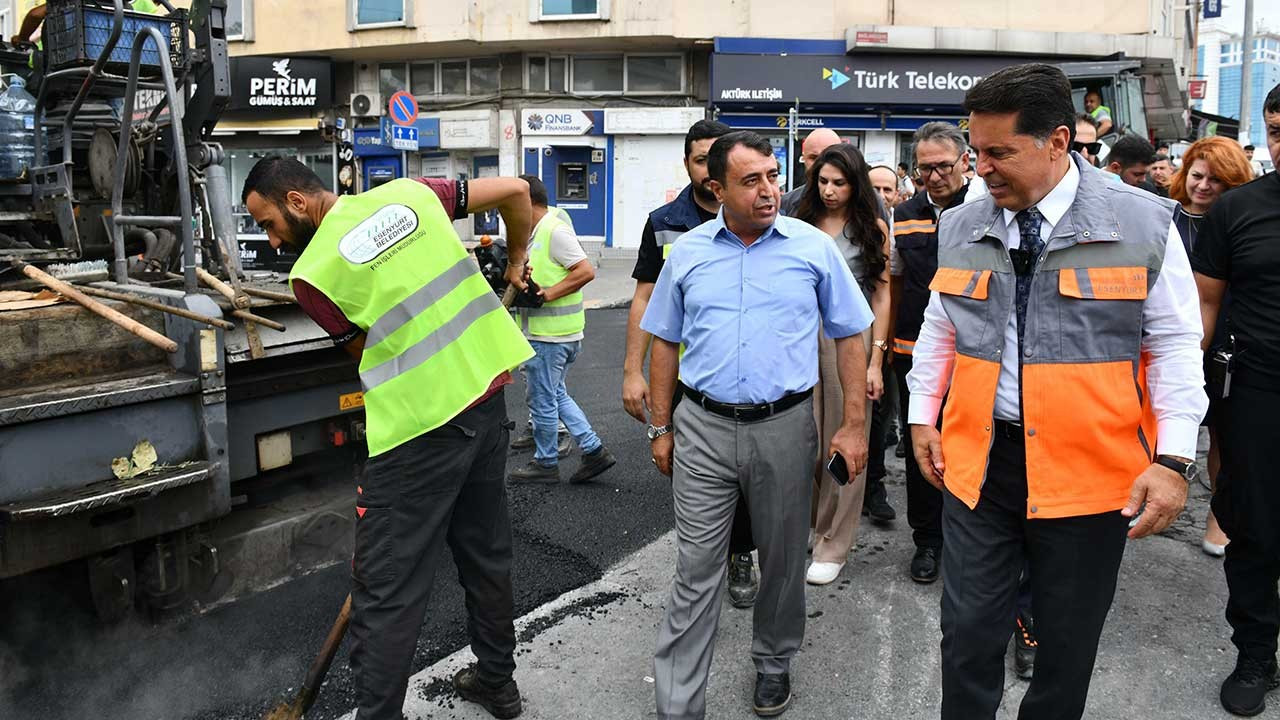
{"x":147,"y":383}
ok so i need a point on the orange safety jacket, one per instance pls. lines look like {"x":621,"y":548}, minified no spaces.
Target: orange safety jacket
{"x":1087,"y":421}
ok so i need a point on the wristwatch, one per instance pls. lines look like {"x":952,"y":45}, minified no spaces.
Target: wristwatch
{"x":1188,"y":470}
{"x":881,"y":344}
{"x":655,"y":432}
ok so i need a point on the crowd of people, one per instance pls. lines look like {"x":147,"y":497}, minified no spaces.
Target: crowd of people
{"x":1021,"y":311}
{"x":1004,"y":422}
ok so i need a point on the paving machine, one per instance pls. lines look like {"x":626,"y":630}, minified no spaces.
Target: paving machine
{"x":121,"y":439}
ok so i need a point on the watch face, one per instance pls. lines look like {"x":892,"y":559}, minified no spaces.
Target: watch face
{"x":651,"y":432}
{"x":1193,"y":472}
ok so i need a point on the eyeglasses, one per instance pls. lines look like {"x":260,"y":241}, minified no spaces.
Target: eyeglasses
{"x":943,"y":169}
{"x":1094,"y":147}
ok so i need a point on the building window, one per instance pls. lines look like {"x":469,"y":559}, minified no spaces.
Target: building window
{"x":6,"y":23}
{"x":391,"y":80}
{"x":557,"y":74}
{"x":423,"y":78}
{"x":535,"y":73}
{"x":378,"y":13}
{"x":542,"y":10}
{"x":239,"y":20}
{"x":484,"y":77}
{"x":453,"y":77}
{"x":546,"y":74}
{"x":655,"y":74}
{"x":602,"y":74}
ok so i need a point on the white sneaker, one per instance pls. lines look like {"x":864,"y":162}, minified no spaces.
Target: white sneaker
{"x":1213,"y":549}
{"x":822,"y":573}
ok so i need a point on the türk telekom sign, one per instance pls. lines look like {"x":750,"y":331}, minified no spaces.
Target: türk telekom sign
{"x":847,"y":79}
{"x":281,"y":86}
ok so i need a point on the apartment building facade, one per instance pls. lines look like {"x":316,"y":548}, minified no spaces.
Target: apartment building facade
{"x":594,"y":96}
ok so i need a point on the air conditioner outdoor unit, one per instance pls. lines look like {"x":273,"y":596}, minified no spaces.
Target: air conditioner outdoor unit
{"x":366,"y":105}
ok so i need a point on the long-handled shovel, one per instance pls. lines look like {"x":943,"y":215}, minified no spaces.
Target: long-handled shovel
{"x":297,"y":707}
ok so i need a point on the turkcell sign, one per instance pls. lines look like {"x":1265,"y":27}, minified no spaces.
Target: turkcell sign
{"x":858,"y":79}
{"x":404,"y":138}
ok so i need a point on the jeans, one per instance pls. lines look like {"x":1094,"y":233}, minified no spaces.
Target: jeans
{"x":550,"y":404}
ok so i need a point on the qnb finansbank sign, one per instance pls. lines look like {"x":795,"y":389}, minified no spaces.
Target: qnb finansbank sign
{"x":848,"y":79}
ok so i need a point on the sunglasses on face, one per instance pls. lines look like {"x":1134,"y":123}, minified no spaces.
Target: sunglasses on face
{"x":1094,"y":147}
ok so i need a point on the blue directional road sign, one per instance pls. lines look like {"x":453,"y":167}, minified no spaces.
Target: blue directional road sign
{"x":404,"y":138}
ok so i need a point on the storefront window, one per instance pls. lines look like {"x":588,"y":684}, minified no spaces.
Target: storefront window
{"x":484,"y":76}
{"x":240,"y":161}
{"x":453,"y":78}
{"x":423,"y":76}
{"x":655,"y":73}
{"x":597,"y":74}
{"x":391,"y":79}
{"x":321,"y":163}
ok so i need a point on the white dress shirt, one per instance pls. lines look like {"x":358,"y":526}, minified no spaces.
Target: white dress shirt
{"x":1171,"y":333}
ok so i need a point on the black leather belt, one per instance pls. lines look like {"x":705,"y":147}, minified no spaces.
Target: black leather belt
{"x":747,"y":413}
{"x":1008,"y":430}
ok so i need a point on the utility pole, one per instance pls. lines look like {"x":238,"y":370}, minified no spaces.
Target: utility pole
{"x":1246,"y":76}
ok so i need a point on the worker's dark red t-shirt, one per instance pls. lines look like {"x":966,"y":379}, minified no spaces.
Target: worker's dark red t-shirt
{"x":322,"y":310}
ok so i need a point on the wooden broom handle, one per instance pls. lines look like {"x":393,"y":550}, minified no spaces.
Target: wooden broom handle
{"x":128,"y":323}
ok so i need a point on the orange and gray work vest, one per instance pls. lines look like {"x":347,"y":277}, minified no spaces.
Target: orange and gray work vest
{"x":1087,"y":422}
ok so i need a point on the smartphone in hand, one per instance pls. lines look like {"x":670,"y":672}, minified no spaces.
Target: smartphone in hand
{"x":838,"y":469}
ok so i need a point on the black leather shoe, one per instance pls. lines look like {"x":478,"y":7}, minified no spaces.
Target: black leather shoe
{"x":502,"y":701}
{"x":900,"y":451}
{"x":593,"y":464}
{"x":1244,"y":692}
{"x":773,"y":694}
{"x":924,"y":565}
{"x":876,"y":504}
{"x":891,"y":437}
{"x":743,"y":585}
{"x":532,"y":472}
{"x":1024,"y":647}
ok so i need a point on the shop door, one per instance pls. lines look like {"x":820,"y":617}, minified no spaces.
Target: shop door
{"x":575,"y":180}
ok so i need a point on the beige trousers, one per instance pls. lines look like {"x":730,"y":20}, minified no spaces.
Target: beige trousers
{"x":837,"y":510}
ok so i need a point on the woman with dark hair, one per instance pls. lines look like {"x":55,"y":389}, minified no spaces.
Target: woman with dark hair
{"x":1210,"y":167}
{"x":841,"y":202}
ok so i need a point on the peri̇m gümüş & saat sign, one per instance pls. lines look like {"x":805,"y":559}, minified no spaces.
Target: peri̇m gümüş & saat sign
{"x":281,"y":85}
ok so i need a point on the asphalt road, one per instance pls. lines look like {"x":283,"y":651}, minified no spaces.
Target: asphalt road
{"x":57,"y":661}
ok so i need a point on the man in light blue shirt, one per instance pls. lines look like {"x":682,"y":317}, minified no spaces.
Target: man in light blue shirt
{"x":745,"y":294}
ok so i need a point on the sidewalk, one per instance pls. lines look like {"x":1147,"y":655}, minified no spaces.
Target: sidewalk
{"x":871,"y":646}
{"x":613,"y":286}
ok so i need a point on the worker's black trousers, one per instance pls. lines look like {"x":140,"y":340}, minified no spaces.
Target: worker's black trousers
{"x":444,"y":486}
{"x":1073,"y":563}
{"x":924,"y":501}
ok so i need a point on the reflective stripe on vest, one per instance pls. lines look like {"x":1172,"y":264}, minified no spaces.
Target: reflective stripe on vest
{"x":1088,"y":425}
{"x":903,"y":347}
{"x":666,"y":239}
{"x":560,"y":317}
{"x":437,"y":335}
